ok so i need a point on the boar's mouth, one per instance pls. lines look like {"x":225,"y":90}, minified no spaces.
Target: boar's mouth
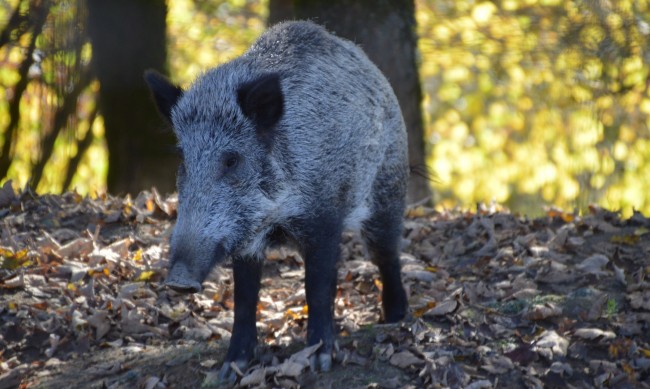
{"x":192,"y":287}
{"x":180,"y":280}
{"x":186,"y":276}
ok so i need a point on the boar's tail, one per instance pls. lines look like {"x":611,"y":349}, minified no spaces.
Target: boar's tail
{"x":421,"y":170}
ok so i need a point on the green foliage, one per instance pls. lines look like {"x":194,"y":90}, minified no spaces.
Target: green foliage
{"x":60,"y":56}
{"x":611,"y":308}
{"x":542,"y":101}
{"x":203,"y":34}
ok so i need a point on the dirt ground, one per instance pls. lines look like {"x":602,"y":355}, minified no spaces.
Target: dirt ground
{"x":497,"y":301}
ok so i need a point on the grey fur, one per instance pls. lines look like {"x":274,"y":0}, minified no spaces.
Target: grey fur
{"x":342,"y":128}
{"x":339,"y":148}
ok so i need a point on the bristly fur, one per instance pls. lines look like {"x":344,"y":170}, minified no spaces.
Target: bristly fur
{"x":297,"y":139}
{"x":338,"y":143}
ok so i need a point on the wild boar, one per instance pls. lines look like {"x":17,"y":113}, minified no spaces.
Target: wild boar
{"x":295,"y":141}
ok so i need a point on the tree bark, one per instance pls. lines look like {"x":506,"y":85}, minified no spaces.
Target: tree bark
{"x":17,"y":25}
{"x":38,"y":16}
{"x":385,"y":30}
{"x":128,"y":37}
{"x":82,"y":146}
{"x":60,"y":118}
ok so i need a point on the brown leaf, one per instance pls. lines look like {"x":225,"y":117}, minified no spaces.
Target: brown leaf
{"x":522,"y":355}
{"x":422,"y":310}
{"x":480,"y":384}
{"x":594,"y":333}
{"x":291,"y":369}
{"x":78,"y":248}
{"x":640,"y":300}
{"x":551,"y":341}
{"x":353,"y":358}
{"x":303,"y":355}
{"x":13,"y":377}
{"x":444,"y":308}
{"x":15,"y":282}
{"x":596,"y":309}
{"x":151,"y":382}
{"x":498,"y":364}
{"x":542,"y":311}
{"x":100,"y":322}
{"x":594,"y":264}
{"x":256,"y":377}
{"x":405,"y":359}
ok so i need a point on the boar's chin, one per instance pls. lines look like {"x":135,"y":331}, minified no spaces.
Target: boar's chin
{"x":186,"y":274}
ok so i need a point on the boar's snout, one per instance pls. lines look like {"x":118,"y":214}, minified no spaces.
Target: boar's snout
{"x":180,"y":279}
{"x":195,"y":288}
{"x":189,"y":268}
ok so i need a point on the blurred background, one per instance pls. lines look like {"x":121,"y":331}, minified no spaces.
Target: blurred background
{"x":528,"y":103}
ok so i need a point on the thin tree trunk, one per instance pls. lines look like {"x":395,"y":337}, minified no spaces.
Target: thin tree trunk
{"x":386,"y":32}
{"x":82,"y":147}
{"x":38,"y":13}
{"x":128,"y":37}
{"x":17,"y":25}
{"x":60,"y":118}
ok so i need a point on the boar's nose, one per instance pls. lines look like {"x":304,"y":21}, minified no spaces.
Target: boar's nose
{"x":191,"y":287}
{"x":180,"y":280}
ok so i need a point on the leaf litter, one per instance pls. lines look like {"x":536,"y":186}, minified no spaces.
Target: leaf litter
{"x":497,"y":300}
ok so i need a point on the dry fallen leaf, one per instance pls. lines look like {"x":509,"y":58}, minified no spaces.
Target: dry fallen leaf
{"x":443,"y":308}
{"x":594,"y":264}
{"x":151,"y":382}
{"x":542,"y":311}
{"x":405,"y":359}
{"x":291,"y":369}
{"x":78,"y":248}
{"x":551,"y":341}
{"x":99,"y":320}
{"x":538,"y":306}
{"x":256,"y":377}
{"x":497,"y":364}
{"x":594,"y":333}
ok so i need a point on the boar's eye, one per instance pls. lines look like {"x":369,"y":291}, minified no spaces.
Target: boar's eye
{"x":229,"y":161}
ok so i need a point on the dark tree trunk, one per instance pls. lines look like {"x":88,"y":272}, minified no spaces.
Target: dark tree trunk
{"x":385,"y":29}
{"x":280,"y":10}
{"x":128,"y":37}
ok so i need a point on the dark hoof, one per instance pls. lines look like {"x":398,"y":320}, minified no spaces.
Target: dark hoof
{"x":321,"y":361}
{"x":228,"y":374}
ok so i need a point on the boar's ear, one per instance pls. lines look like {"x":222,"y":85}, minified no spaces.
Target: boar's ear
{"x":262,"y":101}
{"x":164,"y":92}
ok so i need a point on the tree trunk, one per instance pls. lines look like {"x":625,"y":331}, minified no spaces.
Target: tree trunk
{"x":386,"y":32}
{"x":36,"y":22}
{"x":128,"y":37}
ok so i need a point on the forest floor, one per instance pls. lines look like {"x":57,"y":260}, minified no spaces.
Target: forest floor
{"x":497,"y":301}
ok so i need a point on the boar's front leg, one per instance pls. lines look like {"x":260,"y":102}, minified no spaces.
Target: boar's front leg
{"x":247,"y":273}
{"x":321,"y":251}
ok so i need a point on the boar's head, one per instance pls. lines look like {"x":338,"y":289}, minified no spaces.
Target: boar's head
{"x":227,"y":181}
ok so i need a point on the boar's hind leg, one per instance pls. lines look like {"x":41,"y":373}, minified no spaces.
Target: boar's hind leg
{"x":247,"y":273}
{"x":321,"y":251}
{"x":382,"y":234}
